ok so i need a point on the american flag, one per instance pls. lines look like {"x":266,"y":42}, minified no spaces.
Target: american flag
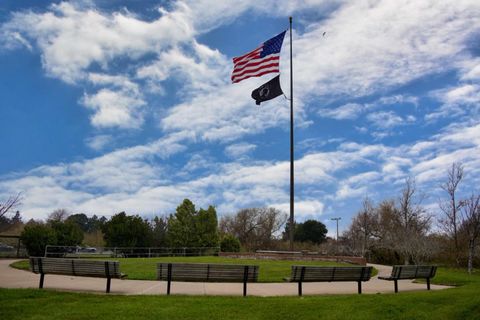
{"x":264,"y":59}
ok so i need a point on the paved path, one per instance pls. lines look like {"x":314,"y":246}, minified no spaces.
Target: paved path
{"x":14,"y":278}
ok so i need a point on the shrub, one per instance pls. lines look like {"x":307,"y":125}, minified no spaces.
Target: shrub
{"x":67,"y":233}
{"x":123,"y":230}
{"x":229,"y":243}
{"x":36,"y":236}
{"x":384,"y":256}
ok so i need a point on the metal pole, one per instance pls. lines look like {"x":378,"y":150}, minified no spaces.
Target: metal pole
{"x":292,"y":186}
{"x":336,"y":240}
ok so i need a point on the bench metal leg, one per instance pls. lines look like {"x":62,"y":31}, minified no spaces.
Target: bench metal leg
{"x":396,"y":286}
{"x":359,"y":287}
{"x":108,"y":285}
{"x":42,"y":277}
{"x":428,"y":283}
{"x":169,"y":277}
{"x":245,"y":279}
{"x":300,"y":288}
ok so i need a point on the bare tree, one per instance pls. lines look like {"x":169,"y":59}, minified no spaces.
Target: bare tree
{"x":11,"y":203}
{"x":452,"y":206}
{"x":388,"y":224}
{"x":471,"y":225}
{"x":363,"y":228}
{"x":367,"y":222}
{"x":400,"y":226}
{"x":254,"y":227}
{"x":58,"y":215}
{"x":413,"y":223}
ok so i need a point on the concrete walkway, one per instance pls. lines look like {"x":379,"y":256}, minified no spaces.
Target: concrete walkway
{"x":14,"y":278}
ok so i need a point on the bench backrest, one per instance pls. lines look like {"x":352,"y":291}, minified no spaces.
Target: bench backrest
{"x":321,"y":274}
{"x":200,"y":272}
{"x":75,"y":267}
{"x":413,"y":272}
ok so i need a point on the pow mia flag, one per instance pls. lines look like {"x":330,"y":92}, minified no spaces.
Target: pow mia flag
{"x":267,"y":91}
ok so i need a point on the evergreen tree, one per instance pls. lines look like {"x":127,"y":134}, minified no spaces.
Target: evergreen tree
{"x":126,"y":231}
{"x":181,"y":226}
{"x":207,"y":227}
{"x":191,"y":228}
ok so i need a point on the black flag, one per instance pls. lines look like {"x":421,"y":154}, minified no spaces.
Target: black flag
{"x":267,"y":91}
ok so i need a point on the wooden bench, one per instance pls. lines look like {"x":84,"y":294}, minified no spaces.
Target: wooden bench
{"x":302,"y":274}
{"x":76,"y":267}
{"x":411,"y":272}
{"x":200,"y":272}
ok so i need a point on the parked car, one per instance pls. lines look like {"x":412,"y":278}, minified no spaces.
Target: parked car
{"x":88,"y":250}
{"x":5,"y":247}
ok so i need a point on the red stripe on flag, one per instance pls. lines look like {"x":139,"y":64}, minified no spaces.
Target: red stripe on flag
{"x":254,"y":62}
{"x":251,"y":53}
{"x":254,"y":70}
{"x":237,"y":79}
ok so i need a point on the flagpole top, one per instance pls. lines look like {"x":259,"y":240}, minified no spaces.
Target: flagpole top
{"x":290,"y":19}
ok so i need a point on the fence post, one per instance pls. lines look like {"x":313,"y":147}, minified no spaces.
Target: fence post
{"x":18,"y":248}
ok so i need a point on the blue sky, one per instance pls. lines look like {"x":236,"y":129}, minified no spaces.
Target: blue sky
{"x":109,"y":106}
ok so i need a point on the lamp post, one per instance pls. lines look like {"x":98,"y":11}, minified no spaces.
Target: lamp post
{"x":336,"y":240}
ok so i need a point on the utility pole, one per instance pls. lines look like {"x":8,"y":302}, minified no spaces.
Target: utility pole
{"x":336,"y":240}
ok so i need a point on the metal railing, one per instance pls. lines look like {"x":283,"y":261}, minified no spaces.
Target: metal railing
{"x":12,"y":247}
{"x":128,"y":252}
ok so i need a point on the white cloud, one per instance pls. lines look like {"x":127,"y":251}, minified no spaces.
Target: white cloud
{"x":348,"y":111}
{"x":225,"y":114}
{"x":117,"y":81}
{"x":373,"y":46}
{"x":346,"y":191}
{"x":71,"y":38}
{"x":457,"y":101}
{"x":115,"y":109}
{"x":397,"y":99}
{"x":466,"y":94}
{"x":304,"y":209}
{"x":352,"y":111}
{"x":385,"y":119}
{"x":197,"y":162}
{"x":239,"y":150}
{"x":99,"y":142}
{"x":369,"y":48}
{"x":136,"y":179}
{"x":204,"y":69}
{"x":470,"y":69}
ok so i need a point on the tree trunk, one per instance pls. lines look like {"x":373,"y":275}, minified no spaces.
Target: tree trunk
{"x":471,"y":249}
{"x":455,"y":236}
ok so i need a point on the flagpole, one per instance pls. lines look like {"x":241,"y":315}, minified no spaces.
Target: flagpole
{"x":292,"y":186}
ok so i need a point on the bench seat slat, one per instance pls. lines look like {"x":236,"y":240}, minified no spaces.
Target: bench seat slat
{"x":410,"y":272}
{"x":198,"y":272}
{"x":302,"y":274}
{"x":329,"y":274}
{"x":202,"y":272}
{"x":75,"y":267}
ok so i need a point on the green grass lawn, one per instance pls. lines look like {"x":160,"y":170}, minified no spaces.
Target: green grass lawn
{"x":462,"y":302}
{"x":144,"y":268}
{"x":457,"y":303}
